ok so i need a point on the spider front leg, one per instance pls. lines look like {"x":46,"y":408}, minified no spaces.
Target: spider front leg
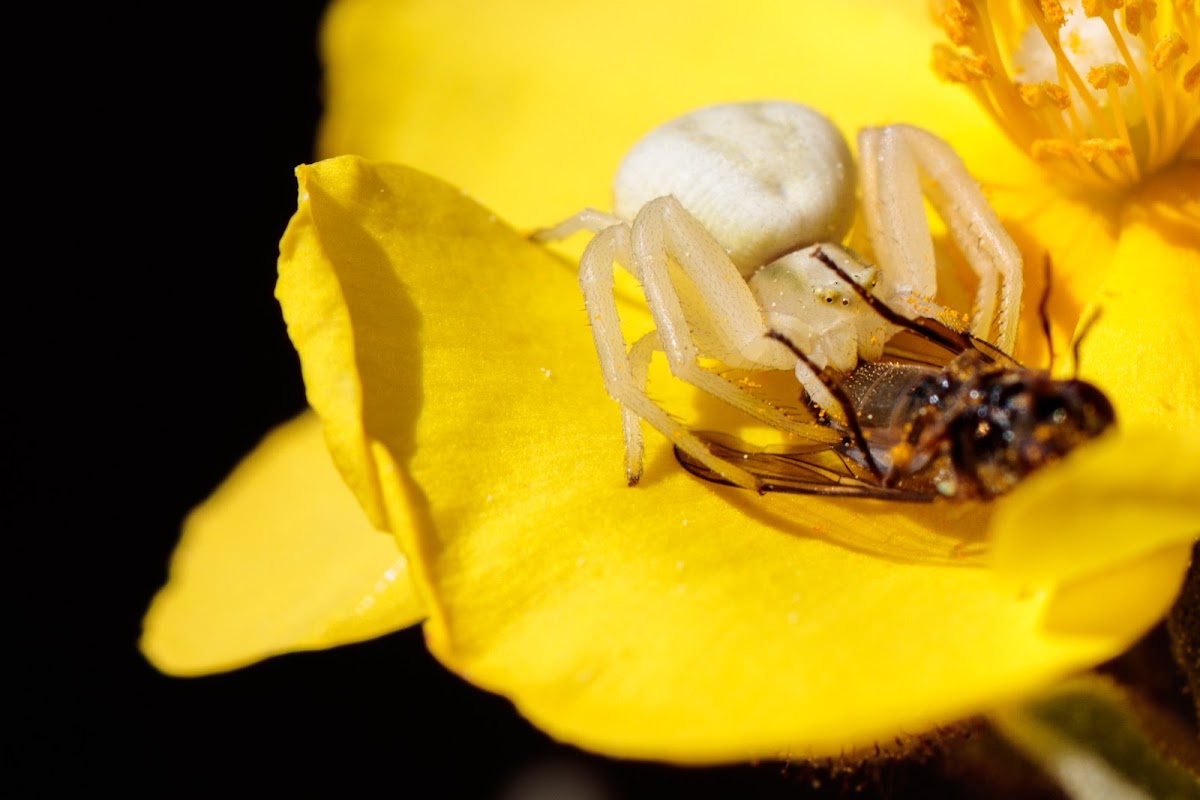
{"x":589,"y":219}
{"x":624,"y":372}
{"x":705,"y":308}
{"x":898,"y":164}
{"x":639,"y":368}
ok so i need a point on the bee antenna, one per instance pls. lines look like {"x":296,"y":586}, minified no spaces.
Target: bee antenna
{"x":831,"y":380}
{"x":1044,"y":316}
{"x":1084,"y":330}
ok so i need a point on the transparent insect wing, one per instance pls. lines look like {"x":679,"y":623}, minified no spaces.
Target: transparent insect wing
{"x":815,"y":470}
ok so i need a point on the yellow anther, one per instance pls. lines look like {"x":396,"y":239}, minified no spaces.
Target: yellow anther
{"x":1053,"y":11}
{"x":1099,"y":76}
{"x":1191,"y":78}
{"x":1095,"y":8}
{"x":1037,"y":95}
{"x":951,"y":65}
{"x":1047,"y":149}
{"x":1031,"y":94}
{"x":1169,"y":48}
{"x":1133,"y":18}
{"x":1058,"y":95}
{"x":958,"y":19}
{"x":1135,"y":11}
{"x":1092,"y":149}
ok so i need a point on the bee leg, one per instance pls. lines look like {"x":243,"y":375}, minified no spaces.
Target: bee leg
{"x":831,"y":380}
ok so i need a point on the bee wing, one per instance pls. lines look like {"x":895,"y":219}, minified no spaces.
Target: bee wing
{"x":817,"y":469}
{"x":918,"y":345}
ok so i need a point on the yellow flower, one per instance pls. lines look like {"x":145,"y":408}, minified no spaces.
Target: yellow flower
{"x":451,"y":366}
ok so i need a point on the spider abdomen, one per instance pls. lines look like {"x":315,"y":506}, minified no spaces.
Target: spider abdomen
{"x":763,"y":178}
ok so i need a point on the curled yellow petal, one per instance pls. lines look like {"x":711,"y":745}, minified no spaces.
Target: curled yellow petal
{"x":1144,"y":349}
{"x":1109,"y":503}
{"x":675,"y":620}
{"x":1144,"y":585}
{"x":280,"y":558}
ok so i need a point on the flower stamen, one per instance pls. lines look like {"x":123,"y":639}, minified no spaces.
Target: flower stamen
{"x":1152,"y":133}
{"x":1067,"y":74}
{"x":1100,"y":96}
{"x":954,"y":66}
{"x":1133,"y":15}
{"x":1110,"y":77}
{"x":1168,"y":49}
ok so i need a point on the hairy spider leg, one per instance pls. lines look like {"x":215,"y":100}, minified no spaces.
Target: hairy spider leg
{"x":639,"y":369}
{"x":899,"y":164}
{"x":668,"y":230}
{"x":589,"y":219}
{"x":682,"y":360}
{"x":596,"y":281}
{"x":664,"y":231}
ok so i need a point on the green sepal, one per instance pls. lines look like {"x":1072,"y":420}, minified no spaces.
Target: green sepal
{"x":1090,"y":737}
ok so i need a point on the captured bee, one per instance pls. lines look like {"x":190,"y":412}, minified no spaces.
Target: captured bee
{"x":970,"y":429}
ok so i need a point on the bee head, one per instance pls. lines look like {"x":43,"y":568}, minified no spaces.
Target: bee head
{"x":1069,"y":412}
{"x":1027,"y":420}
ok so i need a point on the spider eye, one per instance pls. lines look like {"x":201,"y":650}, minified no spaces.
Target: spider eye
{"x":845,"y":301}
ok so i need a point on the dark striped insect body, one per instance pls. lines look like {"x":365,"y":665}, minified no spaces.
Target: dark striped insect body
{"x":970,"y":426}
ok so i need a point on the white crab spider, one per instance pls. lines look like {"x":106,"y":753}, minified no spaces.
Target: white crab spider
{"x":715,"y":212}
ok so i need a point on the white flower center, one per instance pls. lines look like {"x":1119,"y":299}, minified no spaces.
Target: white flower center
{"x":1102,"y":91}
{"x":1088,"y":45}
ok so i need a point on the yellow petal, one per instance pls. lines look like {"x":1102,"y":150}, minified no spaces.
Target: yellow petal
{"x":280,"y":558}
{"x":674,"y":620}
{"x":497,"y":98}
{"x":1150,"y":582}
{"x":1078,"y":235}
{"x":1145,"y":347}
{"x":1109,"y":503}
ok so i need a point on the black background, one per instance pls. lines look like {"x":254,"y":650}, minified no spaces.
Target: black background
{"x":159,"y":360}
{"x":170,"y":379}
